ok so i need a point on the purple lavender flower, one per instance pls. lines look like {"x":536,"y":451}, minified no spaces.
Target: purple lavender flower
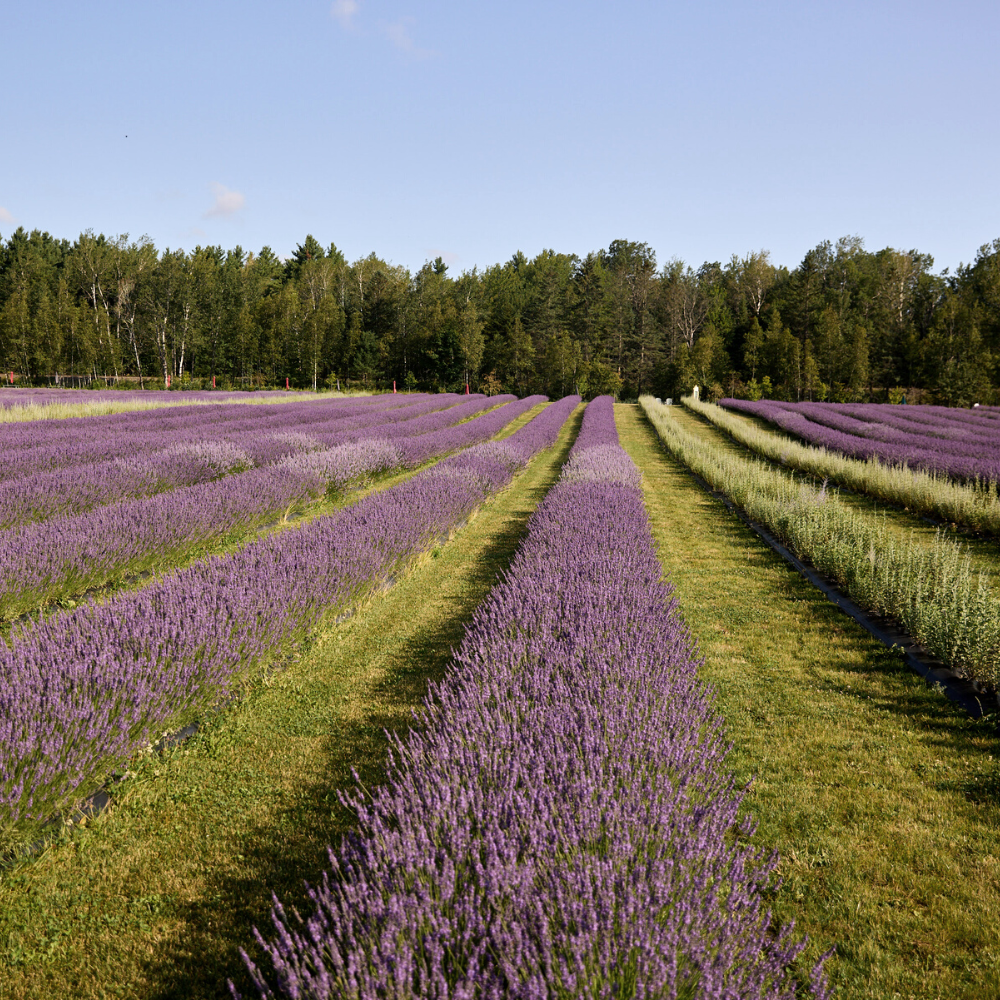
{"x":964,"y":444}
{"x":560,"y":823}
{"x":84,"y":689}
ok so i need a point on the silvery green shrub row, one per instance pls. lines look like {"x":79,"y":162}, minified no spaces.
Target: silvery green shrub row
{"x":928,"y":588}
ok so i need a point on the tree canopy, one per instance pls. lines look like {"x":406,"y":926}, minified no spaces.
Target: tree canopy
{"x":845,"y":324}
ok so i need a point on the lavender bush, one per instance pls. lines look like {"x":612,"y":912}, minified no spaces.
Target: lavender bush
{"x":61,"y":558}
{"x":84,"y":689}
{"x":27,"y":396}
{"x":33,"y":447}
{"x":560,"y":825}
{"x":975,"y":506}
{"x":958,"y":443}
{"x":190,"y":452}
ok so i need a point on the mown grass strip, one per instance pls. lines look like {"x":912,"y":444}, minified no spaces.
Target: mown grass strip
{"x":154,"y":898}
{"x":881,"y":797}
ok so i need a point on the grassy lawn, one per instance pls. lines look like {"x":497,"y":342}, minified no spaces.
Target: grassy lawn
{"x":882,"y":799}
{"x":154,"y":898}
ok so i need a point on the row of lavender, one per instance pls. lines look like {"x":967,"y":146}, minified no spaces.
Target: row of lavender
{"x":61,"y":558}
{"x":930,"y":427}
{"x":84,"y":689}
{"x":966,"y":448}
{"x":200,"y":450}
{"x":561,"y":823}
{"x":44,"y":445}
{"x":26,"y":396}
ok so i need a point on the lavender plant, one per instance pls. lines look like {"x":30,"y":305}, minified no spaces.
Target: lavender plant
{"x":560,"y":824}
{"x":82,"y":690}
{"x":975,"y":506}
{"x":185,"y":452}
{"x":61,"y":558}
{"x":933,"y":438}
{"x":929,"y":588}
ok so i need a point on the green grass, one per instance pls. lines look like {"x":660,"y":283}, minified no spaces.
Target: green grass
{"x":882,"y":798}
{"x":154,"y":898}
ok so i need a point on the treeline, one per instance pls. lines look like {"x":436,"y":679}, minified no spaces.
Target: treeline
{"x":846,"y":324}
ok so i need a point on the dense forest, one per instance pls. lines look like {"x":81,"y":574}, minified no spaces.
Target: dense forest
{"x":846,"y":324}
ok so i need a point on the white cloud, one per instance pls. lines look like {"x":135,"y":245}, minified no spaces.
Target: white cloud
{"x":343,"y":11}
{"x":398,"y":32}
{"x":5,"y":216}
{"x":226,"y":202}
{"x":447,"y":256}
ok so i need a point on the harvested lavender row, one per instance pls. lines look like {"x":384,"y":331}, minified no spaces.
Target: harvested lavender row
{"x":561,"y":825}
{"x":63,"y":557}
{"x":37,"y":446}
{"x":86,"y":688}
{"x":820,"y":424}
{"x":202,"y":457}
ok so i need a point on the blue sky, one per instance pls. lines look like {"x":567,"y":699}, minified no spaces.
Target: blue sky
{"x":473,"y":130}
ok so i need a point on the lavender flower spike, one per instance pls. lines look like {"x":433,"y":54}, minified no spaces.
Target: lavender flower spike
{"x":561,"y":824}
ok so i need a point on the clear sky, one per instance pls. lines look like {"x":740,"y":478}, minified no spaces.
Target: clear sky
{"x":472,"y":130}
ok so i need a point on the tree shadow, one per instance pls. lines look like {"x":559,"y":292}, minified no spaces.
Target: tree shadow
{"x":289,"y":850}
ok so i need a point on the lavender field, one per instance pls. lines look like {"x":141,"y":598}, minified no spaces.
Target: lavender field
{"x":571,"y":726}
{"x":964,"y":444}
{"x":552,"y":792}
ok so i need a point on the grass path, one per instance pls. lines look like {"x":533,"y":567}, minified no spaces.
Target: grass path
{"x":155,"y":897}
{"x":882,"y":799}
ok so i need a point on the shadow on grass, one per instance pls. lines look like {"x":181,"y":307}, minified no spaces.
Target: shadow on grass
{"x":220,"y":923}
